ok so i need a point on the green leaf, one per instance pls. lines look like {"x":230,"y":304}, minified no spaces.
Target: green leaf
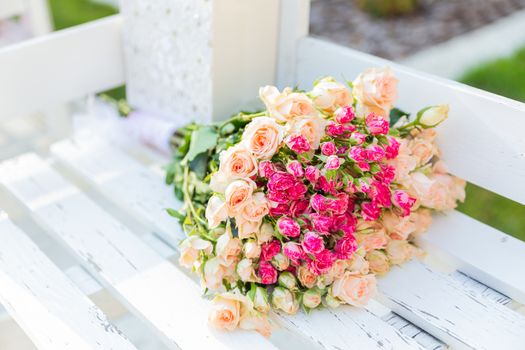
{"x":396,"y":114}
{"x":176,"y":214}
{"x":202,"y":140}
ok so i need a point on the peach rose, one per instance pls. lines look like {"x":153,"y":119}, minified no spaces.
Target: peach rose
{"x":398,"y":227}
{"x":375,"y":91}
{"x":214,"y":272}
{"x":247,"y":229}
{"x":355,"y":290}
{"x":399,"y":251}
{"x":429,"y":193}
{"x":311,"y":127}
{"x":306,"y":277}
{"x":257,"y":322}
{"x":378,"y":262}
{"x":251,"y":249}
{"x":262,"y":137}
{"x":216,"y":211}
{"x":238,"y":194}
{"x":237,"y":162}
{"x":255,"y":208}
{"x":328,"y":95}
{"x":371,"y":235}
{"x":190,"y":250}
{"x":228,"y":248}
{"x":422,"y":218}
{"x":358,"y":265}
{"x":286,"y":105}
{"x":422,"y":150}
{"x":226,"y":311}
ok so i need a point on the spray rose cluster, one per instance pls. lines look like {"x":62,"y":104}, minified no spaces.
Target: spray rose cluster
{"x":321,"y":193}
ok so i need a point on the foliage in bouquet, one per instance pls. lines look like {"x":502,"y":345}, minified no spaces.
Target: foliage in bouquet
{"x":301,"y":205}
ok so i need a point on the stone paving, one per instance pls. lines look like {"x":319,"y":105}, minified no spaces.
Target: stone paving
{"x":395,"y":38}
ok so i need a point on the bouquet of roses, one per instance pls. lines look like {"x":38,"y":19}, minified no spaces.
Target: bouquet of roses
{"x":303,"y":204}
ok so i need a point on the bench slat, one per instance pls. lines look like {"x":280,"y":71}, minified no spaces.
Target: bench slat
{"x":478,"y":250}
{"x":470,"y":139}
{"x":152,"y":287}
{"x":45,"y":303}
{"x":86,"y":158}
{"x":440,"y":304}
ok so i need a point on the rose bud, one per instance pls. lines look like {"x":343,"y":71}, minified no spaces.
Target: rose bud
{"x":287,"y":280}
{"x":294,"y":252}
{"x":332,"y":163}
{"x":284,"y":300}
{"x":246,"y":271}
{"x":260,"y":299}
{"x":298,"y":143}
{"x":330,"y":301}
{"x":265,"y":233}
{"x":295,"y":168}
{"x":378,"y":262}
{"x":251,"y":249}
{"x":432,"y":116}
{"x":267,"y":273}
{"x":312,"y":298}
{"x":328,"y":148}
{"x":280,"y":262}
{"x":288,"y":227}
{"x":312,"y":243}
{"x":312,"y":174}
{"x":344,"y":114}
{"x":377,"y":124}
{"x":399,"y":251}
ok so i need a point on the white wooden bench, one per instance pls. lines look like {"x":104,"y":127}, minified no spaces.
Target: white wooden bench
{"x":104,"y":204}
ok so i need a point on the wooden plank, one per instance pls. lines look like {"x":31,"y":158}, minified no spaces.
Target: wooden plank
{"x":53,"y":312}
{"x":152,"y":287}
{"x":469,"y":139}
{"x":78,"y":61}
{"x":441,"y":305}
{"x":478,"y":250}
{"x":121,"y":178}
{"x":87,"y":158}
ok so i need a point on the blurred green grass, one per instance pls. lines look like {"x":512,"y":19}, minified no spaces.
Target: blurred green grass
{"x":506,"y":77}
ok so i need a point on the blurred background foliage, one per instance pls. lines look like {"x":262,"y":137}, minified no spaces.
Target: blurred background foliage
{"x":504,"y":76}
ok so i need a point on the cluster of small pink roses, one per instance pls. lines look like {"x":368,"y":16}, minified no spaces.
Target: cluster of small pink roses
{"x":318,"y":197}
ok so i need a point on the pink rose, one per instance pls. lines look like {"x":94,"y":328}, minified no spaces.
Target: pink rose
{"x":319,"y":203}
{"x":344,"y":115}
{"x":364,"y":166}
{"x":288,"y":227}
{"x":346,"y":223}
{"x":312,"y":174}
{"x":281,"y":181}
{"x":386,"y":174}
{"x":332,"y":163}
{"x":294,"y":252}
{"x":280,"y":209}
{"x":358,"y":137}
{"x":357,"y":153}
{"x":404,"y":201}
{"x":297,"y":191}
{"x":322,"y":262}
{"x":392,"y":149}
{"x":295,"y":168}
{"x":298,"y":143}
{"x":380,"y":193}
{"x":375,"y":153}
{"x":299,"y":207}
{"x":321,"y":224}
{"x":312,"y":243}
{"x":270,"y":249}
{"x":266,"y":169}
{"x":335,"y":130}
{"x":370,"y":211}
{"x":328,"y":148}
{"x":267,"y":273}
{"x":339,"y":205}
{"x":377,"y":125}
{"x":355,"y":290}
{"x":345,"y":247}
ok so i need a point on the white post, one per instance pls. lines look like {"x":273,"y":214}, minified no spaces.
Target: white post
{"x":199,"y":60}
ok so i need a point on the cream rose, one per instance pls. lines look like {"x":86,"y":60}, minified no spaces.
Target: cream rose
{"x":213,"y":274}
{"x":247,"y":229}
{"x":265,"y":234}
{"x":399,"y":251}
{"x":258,"y":322}
{"x":237,"y":162}
{"x":423,"y":150}
{"x":216,"y":211}
{"x":238,"y":194}
{"x":433,"y":116}
{"x":358,"y":265}
{"x":371,"y":235}
{"x":228,"y":248}
{"x":328,"y":95}
{"x":246,"y":271}
{"x":355,"y":290}
{"x":262,"y":137}
{"x":251,"y":249}
{"x":378,"y":262}
{"x":286,"y":105}
{"x":191,"y":248}
{"x":311,"y":127}
{"x":283,"y":299}
{"x":375,"y":91}
{"x":307,"y":278}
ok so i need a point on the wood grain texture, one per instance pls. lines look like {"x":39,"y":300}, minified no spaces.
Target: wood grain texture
{"x":152,"y":287}
{"x":53,"y":312}
{"x":470,"y":139}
